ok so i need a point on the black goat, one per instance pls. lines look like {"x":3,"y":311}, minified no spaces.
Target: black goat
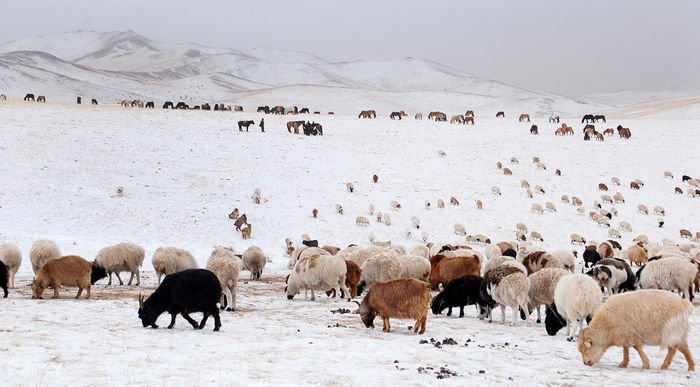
{"x":194,"y":290}
{"x":458,"y":293}
{"x":3,"y":278}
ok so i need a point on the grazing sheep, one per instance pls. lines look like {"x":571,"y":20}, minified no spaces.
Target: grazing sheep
{"x":370,"y":209}
{"x":524,"y":184}
{"x":603,"y":221}
{"x":440,"y":203}
{"x":566,"y":259}
{"x":350,"y":187}
{"x":400,"y":298}
{"x":637,"y":255}
{"x":224,"y":264}
{"x":678,"y":190}
{"x":459,"y":229}
{"x":379,"y":217}
{"x":458,"y":293}
{"x":577,"y":239}
{"x":479,"y":204}
{"x":625,"y":226}
{"x":520,"y":236}
{"x":317,"y":272}
{"x":454,"y":201}
{"x":686,"y":234}
{"x":395,"y":205}
{"x":672,"y":274}
{"x":504,"y":286}
{"x":615,"y":180}
{"x":387,"y":219}
{"x":381,"y":267}
{"x":413,"y":266}
{"x":541,"y":165}
{"x":538,"y":260}
{"x":240,"y":222}
{"x":170,"y":260}
{"x":507,"y":172}
{"x":614,"y":233}
{"x":577,"y":297}
{"x":618,"y":198}
{"x":528,"y":193}
{"x":643,"y":209}
{"x":499,"y":165}
{"x":11,"y":256}
{"x":521,"y":227}
{"x":645,"y":317}
{"x":339,"y":209}
{"x":70,"y":270}
{"x":536,"y":209}
{"x":602,"y":187}
{"x":643,"y":239}
{"x":256,"y":196}
{"x":361,"y":221}
{"x":606,"y":199}
{"x":534,"y":235}
{"x":539,"y":189}
{"x":542,"y":285}
{"x":121,"y":257}
{"x":495,"y":190}
{"x":415,"y":222}
{"x":668,"y":174}
{"x":575,"y":201}
{"x":658,"y":210}
{"x":42,"y":251}
{"x":550,"y":207}
{"x":254,"y":260}
{"x":615,"y":275}
{"x":514,"y":160}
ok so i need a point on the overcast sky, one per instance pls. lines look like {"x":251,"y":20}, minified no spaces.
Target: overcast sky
{"x":571,"y":47}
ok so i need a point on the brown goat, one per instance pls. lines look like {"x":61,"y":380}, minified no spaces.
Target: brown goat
{"x":445,"y":269}
{"x":524,"y":117}
{"x":375,"y":178}
{"x":634,"y":185}
{"x":686,"y":234}
{"x":245,"y":231}
{"x":352,"y":279}
{"x":243,"y":219}
{"x":70,"y":270}
{"x":314,"y":212}
{"x":234,"y":214}
{"x":678,"y":190}
{"x":602,"y":187}
{"x":405,"y":298}
{"x":507,"y":171}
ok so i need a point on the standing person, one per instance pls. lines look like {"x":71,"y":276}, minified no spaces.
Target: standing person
{"x":262,"y":125}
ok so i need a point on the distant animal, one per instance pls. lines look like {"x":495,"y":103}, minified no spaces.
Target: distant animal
{"x":500,"y":115}
{"x":375,"y":178}
{"x":93,"y":102}
{"x":350,"y":187}
{"x":314,"y":213}
{"x":263,"y":109}
{"x":367,"y":114}
{"x":419,"y":116}
{"x":588,"y":118}
{"x":524,"y":117}
{"x":395,"y":115}
{"x":623,"y":132}
{"x":182,"y":106}
{"x":398,"y":298}
{"x":554,"y":118}
{"x":245,"y":124}
{"x":168,"y":105}
{"x":185,"y":292}
{"x":533,"y":129}
{"x":469,"y":120}
{"x":29,"y":97}
{"x":599,"y":117}
{"x":78,"y":100}
{"x":609,"y":132}
{"x":246,"y":230}
{"x":240,"y":221}
{"x":294,"y":125}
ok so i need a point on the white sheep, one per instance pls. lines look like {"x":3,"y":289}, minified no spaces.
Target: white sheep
{"x":672,"y":274}
{"x":370,"y":209}
{"x":564,"y":198}
{"x":359,"y":256}
{"x":524,"y":184}
{"x":387,"y":219}
{"x":122,"y":257}
{"x":512,"y":291}
{"x":492,"y":251}
{"x":644,"y":317}
{"x":413,"y":266}
{"x":225,"y":265}
{"x":521,"y":227}
{"x":361,"y":221}
{"x":566,"y":258}
{"x":494,"y":262}
{"x":614,"y":233}
{"x":420,"y":250}
{"x":643,"y":209}
{"x":339,"y":209}
{"x":542,"y":285}
{"x":254,"y":260}
{"x":397,"y":249}
{"x":350,"y":187}
{"x":658,"y":210}
{"x":380,"y":267}
{"x":415,"y":221}
{"x":170,"y":260}
{"x":550,"y":207}
{"x":459,"y":229}
{"x":615,"y":180}
{"x":625,"y":226}
{"x":495,"y":190}
{"x":440,"y":203}
{"x":42,"y":251}
{"x":317,"y":272}
{"x":577,"y":297}
{"x":536,"y":236}
{"x":395,"y":205}
{"x":606,"y":199}
{"x":536,"y":209}
{"x":304,"y":251}
{"x":539,"y":189}
{"x":11,"y":256}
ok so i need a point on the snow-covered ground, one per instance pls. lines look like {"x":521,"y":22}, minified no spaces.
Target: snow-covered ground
{"x":184,"y":171}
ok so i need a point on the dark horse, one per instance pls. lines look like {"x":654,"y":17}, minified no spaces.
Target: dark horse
{"x":313,"y":129}
{"x":29,"y":97}
{"x":93,"y":102}
{"x":168,"y":105}
{"x":599,"y":117}
{"x":500,"y":115}
{"x":590,"y":118}
{"x":304,"y":111}
{"x":150,"y":105}
{"x":533,"y":129}
{"x":246,"y":124}
{"x":263,"y":109}
{"x":181,"y":105}
{"x":395,"y":115}
{"x":79,"y":100}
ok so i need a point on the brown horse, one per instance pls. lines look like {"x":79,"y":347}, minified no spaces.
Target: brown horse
{"x":395,"y":115}
{"x":41,"y":98}
{"x":599,"y":136}
{"x":554,"y":119}
{"x":419,"y":116}
{"x":437,"y":116}
{"x":150,"y":105}
{"x":469,"y":120}
{"x":244,"y":124}
{"x":458,"y":119}
{"x":294,"y":125}
{"x":367,"y":114}
{"x":609,"y":132}
{"x":599,"y":117}
{"x":264,"y":109}
{"x":500,"y":115}
{"x":533,"y":129}
{"x":524,"y":117}
{"x":469,"y":113}
{"x":624,"y":132}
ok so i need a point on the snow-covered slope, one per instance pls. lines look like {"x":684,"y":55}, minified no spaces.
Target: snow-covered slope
{"x":145,"y":68}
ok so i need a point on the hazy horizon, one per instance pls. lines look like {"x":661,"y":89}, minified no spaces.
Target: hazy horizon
{"x":586,"y":47}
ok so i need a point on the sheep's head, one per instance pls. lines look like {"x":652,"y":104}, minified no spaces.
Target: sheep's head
{"x":366,"y":313}
{"x":37,"y":288}
{"x":147,"y":315}
{"x":291,"y":289}
{"x":590,"y":352}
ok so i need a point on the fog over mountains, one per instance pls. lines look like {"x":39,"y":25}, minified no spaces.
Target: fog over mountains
{"x":115,"y":65}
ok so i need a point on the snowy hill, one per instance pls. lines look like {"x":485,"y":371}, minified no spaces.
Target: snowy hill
{"x":116,"y":65}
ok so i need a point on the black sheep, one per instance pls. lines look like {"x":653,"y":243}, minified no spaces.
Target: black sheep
{"x":590,"y":256}
{"x":458,"y":293}
{"x":3,"y":278}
